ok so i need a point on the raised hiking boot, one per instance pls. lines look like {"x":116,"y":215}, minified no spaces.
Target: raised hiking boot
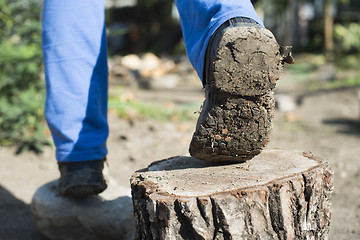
{"x":242,"y":65}
{"x":81,"y":179}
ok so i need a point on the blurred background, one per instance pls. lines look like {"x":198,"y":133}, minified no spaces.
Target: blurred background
{"x":146,"y":51}
{"x":155,"y":96}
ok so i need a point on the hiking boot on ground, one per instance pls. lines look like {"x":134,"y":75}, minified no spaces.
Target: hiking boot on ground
{"x":242,"y":65}
{"x":81,"y":179}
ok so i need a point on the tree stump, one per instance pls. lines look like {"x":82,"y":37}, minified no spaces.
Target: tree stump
{"x":276,"y":195}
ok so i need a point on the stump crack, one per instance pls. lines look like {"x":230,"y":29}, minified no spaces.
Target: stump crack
{"x":275,"y":211}
{"x":187,"y":230}
{"x":202,"y":210}
{"x":220,"y":224}
{"x":215,"y":221}
{"x":296,"y":211}
{"x":307,"y":194}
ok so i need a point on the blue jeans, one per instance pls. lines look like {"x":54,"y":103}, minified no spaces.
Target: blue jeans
{"x":75,"y":59}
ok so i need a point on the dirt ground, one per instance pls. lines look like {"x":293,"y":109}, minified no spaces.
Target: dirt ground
{"x":326,"y":123}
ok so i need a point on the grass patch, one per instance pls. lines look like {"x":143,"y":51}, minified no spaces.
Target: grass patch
{"x":335,"y":84}
{"x":300,"y":72}
{"x":305,"y":72}
{"x":126,"y":106}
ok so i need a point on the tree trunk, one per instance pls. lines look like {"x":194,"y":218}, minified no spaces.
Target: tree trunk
{"x":329,"y":30}
{"x":277,"y":195}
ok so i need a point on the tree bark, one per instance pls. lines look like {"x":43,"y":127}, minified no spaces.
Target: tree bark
{"x":276,"y":195}
{"x":329,"y":30}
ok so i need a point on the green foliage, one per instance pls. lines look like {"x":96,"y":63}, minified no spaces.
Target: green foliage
{"x":348,"y":36}
{"x":22,"y":121}
{"x":348,"y":45}
{"x":336,"y":84}
{"x":21,"y":87}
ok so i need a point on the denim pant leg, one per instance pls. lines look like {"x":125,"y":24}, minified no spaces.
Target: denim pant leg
{"x":75,"y":59}
{"x":200,"y":19}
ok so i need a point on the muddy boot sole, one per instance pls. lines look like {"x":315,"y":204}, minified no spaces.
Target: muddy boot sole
{"x":235,"y":122}
{"x":82,"y":191}
{"x":247,"y":62}
{"x":235,"y":129}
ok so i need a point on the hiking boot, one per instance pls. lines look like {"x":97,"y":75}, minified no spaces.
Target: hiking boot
{"x":81,"y":179}
{"x":242,"y":65}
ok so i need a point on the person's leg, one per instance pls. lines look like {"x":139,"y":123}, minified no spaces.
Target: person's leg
{"x":239,"y":62}
{"x":201,"y":18}
{"x":74,"y":49}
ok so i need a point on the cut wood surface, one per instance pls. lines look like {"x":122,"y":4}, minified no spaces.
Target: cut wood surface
{"x":279,"y":194}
